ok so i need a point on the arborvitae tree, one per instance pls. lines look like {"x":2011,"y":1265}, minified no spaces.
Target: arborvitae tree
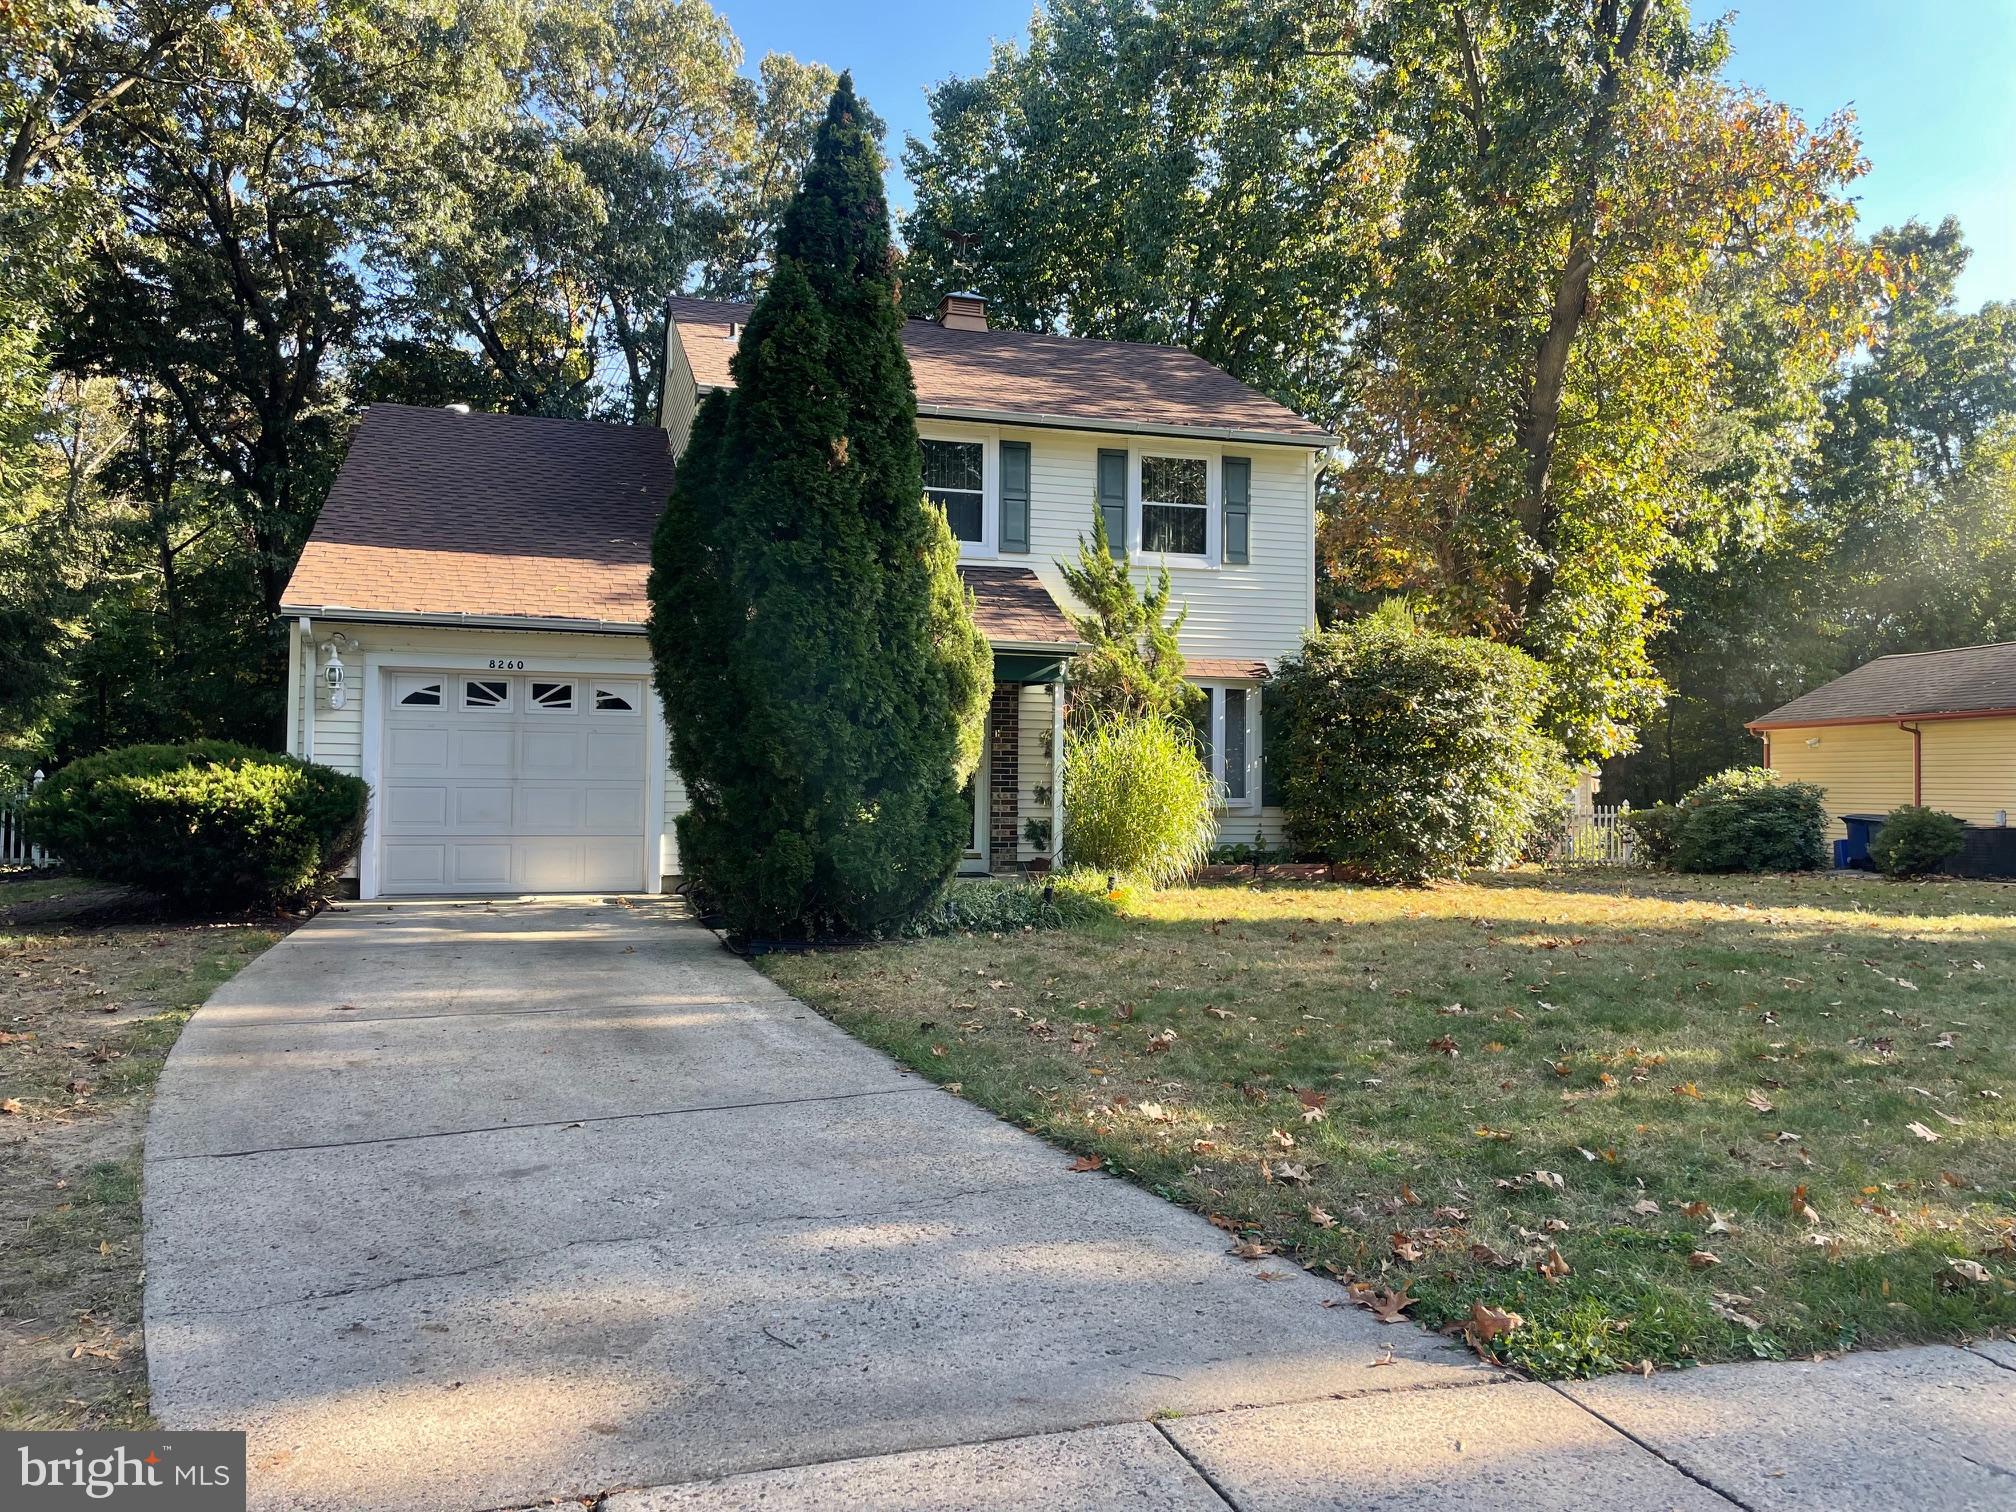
{"x":815,"y":647}
{"x":1133,"y":666}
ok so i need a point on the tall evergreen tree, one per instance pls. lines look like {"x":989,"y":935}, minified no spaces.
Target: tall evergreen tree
{"x":815,"y":646}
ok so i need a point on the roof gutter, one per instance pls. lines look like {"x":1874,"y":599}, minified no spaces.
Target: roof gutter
{"x":456,"y":620}
{"x":1041,"y":648}
{"x":1768,"y":723}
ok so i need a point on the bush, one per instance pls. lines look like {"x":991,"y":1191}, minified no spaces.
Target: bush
{"x":1654,"y":833}
{"x":1745,"y":819}
{"x":1407,"y":756}
{"x":1137,"y":799}
{"x":1915,"y":841}
{"x":208,"y":825}
{"x":984,"y":905}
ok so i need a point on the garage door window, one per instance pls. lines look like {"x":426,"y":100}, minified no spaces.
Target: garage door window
{"x":553,"y":697}
{"x":616,"y":698}
{"x":417,"y":693}
{"x":482,"y":694}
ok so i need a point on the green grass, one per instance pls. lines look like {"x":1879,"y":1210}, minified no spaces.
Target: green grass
{"x":1615,"y":1031}
{"x":87,"y":1021}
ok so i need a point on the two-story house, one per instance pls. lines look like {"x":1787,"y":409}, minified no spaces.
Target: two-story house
{"x":466,"y":622}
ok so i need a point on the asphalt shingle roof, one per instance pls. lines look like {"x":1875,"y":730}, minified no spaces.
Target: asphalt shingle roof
{"x":437,"y":513}
{"x":1047,"y":379}
{"x":1965,"y":680}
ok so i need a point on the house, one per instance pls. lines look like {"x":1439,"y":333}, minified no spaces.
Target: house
{"x":1932,"y":727}
{"x":466,"y":622}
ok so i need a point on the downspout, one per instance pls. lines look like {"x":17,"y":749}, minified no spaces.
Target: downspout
{"x":308,"y":691}
{"x":1917,"y":733}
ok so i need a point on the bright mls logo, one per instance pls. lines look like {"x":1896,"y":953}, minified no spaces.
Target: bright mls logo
{"x":157,"y":1472}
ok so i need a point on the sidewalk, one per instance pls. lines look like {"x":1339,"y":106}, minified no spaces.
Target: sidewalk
{"x":1912,"y":1428}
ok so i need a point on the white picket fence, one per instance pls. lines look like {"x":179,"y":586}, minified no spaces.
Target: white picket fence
{"x":14,"y":847}
{"x":1596,"y":837}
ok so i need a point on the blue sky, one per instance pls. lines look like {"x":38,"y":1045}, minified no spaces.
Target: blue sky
{"x":1932,"y":83}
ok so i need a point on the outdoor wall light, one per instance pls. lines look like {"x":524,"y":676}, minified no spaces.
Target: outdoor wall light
{"x":332,"y":676}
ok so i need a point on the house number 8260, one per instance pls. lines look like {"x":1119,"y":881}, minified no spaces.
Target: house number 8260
{"x":506,"y":664}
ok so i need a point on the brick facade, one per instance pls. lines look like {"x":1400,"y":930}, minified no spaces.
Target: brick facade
{"x":1004,"y":763}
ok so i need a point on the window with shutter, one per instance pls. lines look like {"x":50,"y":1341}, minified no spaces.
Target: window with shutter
{"x":1238,"y":509}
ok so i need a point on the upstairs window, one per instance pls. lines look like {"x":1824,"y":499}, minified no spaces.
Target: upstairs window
{"x":1175,"y":505}
{"x":955,"y":480}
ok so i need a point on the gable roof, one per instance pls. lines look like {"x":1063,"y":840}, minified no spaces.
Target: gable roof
{"x":437,"y":512}
{"x":1020,"y":377}
{"x":1920,"y":684}
{"x":450,"y":517}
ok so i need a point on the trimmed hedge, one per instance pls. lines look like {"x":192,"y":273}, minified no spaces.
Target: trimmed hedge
{"x":1408,"y":756}
{"x":207,"y":825}
{"x":1916,"y":841}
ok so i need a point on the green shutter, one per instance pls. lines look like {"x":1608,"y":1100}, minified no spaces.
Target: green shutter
{"x":1270,"y":774}
{"x":1113,"y":500}
{"x":1238,"y":508}
{"x":1015,"y":496}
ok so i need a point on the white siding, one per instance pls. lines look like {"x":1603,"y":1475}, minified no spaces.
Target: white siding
{"x":681,"y":399}
{"x":1256,"y":611}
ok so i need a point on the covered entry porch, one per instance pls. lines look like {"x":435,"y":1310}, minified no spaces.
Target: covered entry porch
{"x":1017,"y":799}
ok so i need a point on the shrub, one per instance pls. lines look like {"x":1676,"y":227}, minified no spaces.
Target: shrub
{"x":1137,"y":799}
{"x":207,"y":825}
{"x":1745,"y":819}
{"x":1654,"y":833}
{"x":981,"y":905}
{"x":1915,"y":841}
{"x":1407,"y":756}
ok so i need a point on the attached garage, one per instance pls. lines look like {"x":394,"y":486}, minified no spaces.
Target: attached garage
{"x":509,"y":781}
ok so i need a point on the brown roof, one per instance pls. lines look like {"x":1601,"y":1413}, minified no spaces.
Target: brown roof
{"x":510,"y":516}
{"x":1011,"y":604}
{"x":436,"y":513}
{"x":1055,"y":380}
{"x":1965,"y":680}
{"x":1227,"y":668}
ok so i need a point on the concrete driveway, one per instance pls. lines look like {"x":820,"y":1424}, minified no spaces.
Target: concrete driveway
{"x":469,"y":1205}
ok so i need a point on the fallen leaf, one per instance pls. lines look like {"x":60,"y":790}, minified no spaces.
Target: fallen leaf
{"x":1645,"y":1207}
{"x":1703,"y":1259}
{"x":1321,"y":1219}
{"x":1288,"y":1170}
{"x":1086,"y":1163}
{"x":1922,"y":1132}
{"x":1801,"y":1208}
{"x":1445,"y":1044}
{"x":10,"y":1105}
{"x":1970,"y":1271}
{"x":1553,"y":1267}
{"x":1759,"y":1101}
{"x":1251,"y":1249}
{"x":1405,"y":1249}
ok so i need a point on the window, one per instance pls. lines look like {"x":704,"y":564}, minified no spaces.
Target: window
{"x":1226,"y":739}
{"x":955,"y":480}
{"x":426,"y":696}
{"x":483,"y":694}
{"x":1175,"y":505}
{"x":615,"y":698}
{"x":555,"y":696}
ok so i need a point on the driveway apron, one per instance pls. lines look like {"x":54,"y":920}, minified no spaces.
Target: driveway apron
{"x":465,"y":1205}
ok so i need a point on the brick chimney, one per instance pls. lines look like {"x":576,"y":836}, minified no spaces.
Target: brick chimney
{"x":962,"y":312}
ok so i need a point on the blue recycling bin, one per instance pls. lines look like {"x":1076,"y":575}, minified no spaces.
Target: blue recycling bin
{"x":1862,"y":829}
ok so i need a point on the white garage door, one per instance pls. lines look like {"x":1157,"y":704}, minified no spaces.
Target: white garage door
{"x":522,"y":783}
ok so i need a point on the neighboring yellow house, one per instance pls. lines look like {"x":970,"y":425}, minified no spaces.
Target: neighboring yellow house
{"x":1933,"y":727}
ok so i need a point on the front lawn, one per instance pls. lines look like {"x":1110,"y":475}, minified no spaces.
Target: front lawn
{"x":1661,"y":1119}
{"x":87,"y":1015}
